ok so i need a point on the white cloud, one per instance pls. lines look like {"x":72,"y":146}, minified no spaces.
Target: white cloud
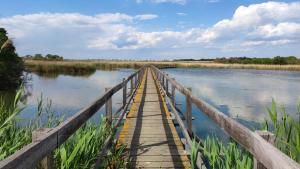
{"x":271,"y":21}
{"x":258,"y":25}
{"x":281,"y":30}
{"x":181,"y":14}
{"x":181,"y":2}
{"x":146,"y":17}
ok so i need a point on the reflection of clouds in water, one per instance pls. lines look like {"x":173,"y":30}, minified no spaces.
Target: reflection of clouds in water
{"x":73,"y":93}
{"x":246,"y":93}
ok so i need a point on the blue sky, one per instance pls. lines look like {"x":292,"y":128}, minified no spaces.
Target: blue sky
{"x":153,"y":29}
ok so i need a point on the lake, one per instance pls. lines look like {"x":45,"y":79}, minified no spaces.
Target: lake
{"x":241,"y":94}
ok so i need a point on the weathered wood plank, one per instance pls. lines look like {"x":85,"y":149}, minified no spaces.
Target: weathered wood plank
{"x":149,"y":131}
{"x":152,"y":164}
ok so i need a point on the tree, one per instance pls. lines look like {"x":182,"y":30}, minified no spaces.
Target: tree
{"x":279,"y":60}
{"x":11,"y":65}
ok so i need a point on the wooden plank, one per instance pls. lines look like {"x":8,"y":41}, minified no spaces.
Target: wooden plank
{"x":167,"y":164}
{"x":149,"y":131}
{"x":148,"y":158}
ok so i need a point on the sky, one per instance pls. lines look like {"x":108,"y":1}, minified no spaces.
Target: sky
{"x":153,"y":29}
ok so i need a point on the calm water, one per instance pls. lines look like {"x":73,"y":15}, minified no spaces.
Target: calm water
{"x":241,"y":94}
{"x":71,"y":93}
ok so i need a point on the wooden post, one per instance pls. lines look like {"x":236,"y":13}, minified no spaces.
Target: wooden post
{"x":135,"y":80}
{"x":131,"y":86}
{"x":270,"y":138}
{"x":189,"y":111}
{"x":163,"y":81}
{"x":124,"y":92}
{"x":48,"y":161}
{"x":108,"y":109}
{"x":167,"y":86}
{"x":173,"y":95}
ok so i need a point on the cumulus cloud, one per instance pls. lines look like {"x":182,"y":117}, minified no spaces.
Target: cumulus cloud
{"x":266,"y":24}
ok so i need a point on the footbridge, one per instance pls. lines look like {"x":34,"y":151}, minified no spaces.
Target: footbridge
{"x":149,"y":125}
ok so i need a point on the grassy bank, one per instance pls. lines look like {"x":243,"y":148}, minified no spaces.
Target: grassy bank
{"x":76,"y":66}
{"x":61,"y":67}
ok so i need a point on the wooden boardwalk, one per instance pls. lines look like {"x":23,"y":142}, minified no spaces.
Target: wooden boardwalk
{"x":148,"y":131}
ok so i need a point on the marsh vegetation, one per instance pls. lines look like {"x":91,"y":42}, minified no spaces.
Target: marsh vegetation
{"x":11,"y":65}
{"x":79,"y":151}
{"x":230,"y":155}
{"x":88,"y":66}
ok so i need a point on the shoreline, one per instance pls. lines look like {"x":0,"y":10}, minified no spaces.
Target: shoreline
{"x":92,"y":65}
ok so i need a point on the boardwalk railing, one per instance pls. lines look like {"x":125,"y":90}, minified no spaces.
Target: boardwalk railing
{"x":262,"y":151}
{"x":31,"y":154}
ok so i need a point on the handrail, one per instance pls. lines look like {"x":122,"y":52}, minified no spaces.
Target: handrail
{"x":200,"y":163}
{"x":264,"y":152}
{"x":32,"y":153}
{"x":108,"y":141}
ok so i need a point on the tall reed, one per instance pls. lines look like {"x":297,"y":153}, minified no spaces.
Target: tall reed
{"x":79,"y":151}
{"x":229,"y":156}
{"x":286,"y":130}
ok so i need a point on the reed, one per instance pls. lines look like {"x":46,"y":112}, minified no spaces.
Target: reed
{"x":52,"y":68}
{"x":72,"y":65}
{"x":79,"y":151}
{"x":287,"y":139}
{"x":286,"y":130}
{"x":194,"y":153}
{"x":230,"y":155}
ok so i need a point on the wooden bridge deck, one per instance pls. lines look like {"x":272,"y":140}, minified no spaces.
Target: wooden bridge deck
{"x":149,"y":133}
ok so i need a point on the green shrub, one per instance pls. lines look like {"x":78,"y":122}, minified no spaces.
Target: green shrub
{"x":11,"y":65}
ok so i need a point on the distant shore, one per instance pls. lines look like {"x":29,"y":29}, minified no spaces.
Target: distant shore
{"x":82,"y":66}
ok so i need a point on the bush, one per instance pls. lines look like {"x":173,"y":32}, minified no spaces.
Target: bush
{"x":11,"y":65}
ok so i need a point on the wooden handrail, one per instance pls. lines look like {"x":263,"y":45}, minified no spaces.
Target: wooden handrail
{"x":32,"y":153}
{"x":264,"y":152}
{"x":200,"y":163}
{"x":109,"y":140}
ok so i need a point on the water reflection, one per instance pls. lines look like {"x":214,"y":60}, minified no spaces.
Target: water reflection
{"x":70,"y":93}
{"x":239,"y":93}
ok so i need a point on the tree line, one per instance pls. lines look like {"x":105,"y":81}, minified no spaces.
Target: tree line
{"x":278,"y":60}
{"x":46,"y":57}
